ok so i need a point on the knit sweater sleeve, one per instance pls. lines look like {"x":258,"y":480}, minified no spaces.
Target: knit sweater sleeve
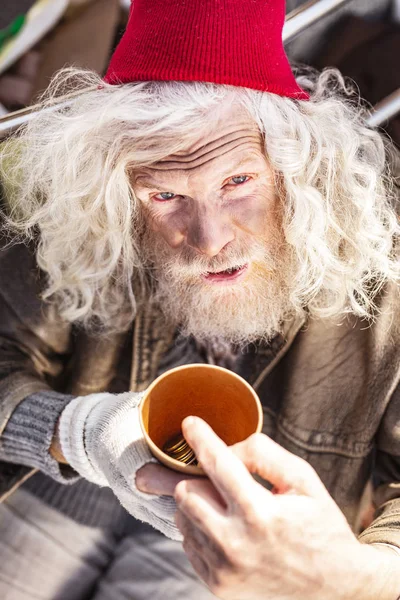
{"x":27,"y":437}
{"x":35,"y":347}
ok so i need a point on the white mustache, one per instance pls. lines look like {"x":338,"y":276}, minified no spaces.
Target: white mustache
{"x":194,"y":271}
{"x":185,"y":267}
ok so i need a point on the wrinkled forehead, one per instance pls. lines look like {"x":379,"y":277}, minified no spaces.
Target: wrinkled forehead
{"x":234,"y":134}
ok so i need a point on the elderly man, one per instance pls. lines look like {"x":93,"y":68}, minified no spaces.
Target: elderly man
{"x":200,"y":205}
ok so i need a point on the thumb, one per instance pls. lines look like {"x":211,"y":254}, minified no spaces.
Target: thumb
{"x":287,"y":472}
{"x":155,"y":479}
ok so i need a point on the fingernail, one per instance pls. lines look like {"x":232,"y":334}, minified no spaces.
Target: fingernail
{"x":189,"y":421}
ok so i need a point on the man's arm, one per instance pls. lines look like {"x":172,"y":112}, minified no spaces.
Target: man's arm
{"x":247,"y":542}
{"x":95,"y":436}
{"x":34,"y":347}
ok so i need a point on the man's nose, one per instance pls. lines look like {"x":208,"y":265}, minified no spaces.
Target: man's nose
{"x":209,"y":234}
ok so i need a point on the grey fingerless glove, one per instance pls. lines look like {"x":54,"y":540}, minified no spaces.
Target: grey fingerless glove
{"x":101,"y":438}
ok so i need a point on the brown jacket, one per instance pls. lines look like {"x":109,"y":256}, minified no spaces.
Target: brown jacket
{"x":330,"y":391}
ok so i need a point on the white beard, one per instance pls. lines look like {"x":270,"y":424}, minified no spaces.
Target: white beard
{"x":251,"y":310}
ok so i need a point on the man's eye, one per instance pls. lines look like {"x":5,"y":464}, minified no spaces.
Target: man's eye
{"x":238,"y":179}
{"x":165,"y":196}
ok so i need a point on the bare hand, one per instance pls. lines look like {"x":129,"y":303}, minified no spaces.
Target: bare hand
{"x":248,"y":543}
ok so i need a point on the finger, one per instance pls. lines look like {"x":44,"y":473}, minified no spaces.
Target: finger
{"x":228,"y":474}
{"x":193,"y":550}
{"x":199,"y":565}
{"x":204,"y":510}
{"x":286,"y":471}
{"x":206,"y":548}
{"x":200,"y":490}
{"x":158,"y":480}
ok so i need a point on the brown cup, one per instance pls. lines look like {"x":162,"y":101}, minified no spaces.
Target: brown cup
{"x":223,"y":399}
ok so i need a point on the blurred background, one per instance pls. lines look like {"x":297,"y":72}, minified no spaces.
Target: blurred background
{"x":38,"y":37}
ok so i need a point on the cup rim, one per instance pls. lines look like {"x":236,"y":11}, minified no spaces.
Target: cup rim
{"x":190,"y":469}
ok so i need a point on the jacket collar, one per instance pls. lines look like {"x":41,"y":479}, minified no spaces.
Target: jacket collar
{"x":152,"y":336}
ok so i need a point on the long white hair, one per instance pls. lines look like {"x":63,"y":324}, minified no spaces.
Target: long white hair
{"x":67,"y":176}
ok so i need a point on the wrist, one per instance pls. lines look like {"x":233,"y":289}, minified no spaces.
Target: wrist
{"x":379,"y":574}
{"x":55,"y":447}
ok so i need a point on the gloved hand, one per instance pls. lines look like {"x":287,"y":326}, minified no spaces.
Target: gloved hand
{"x":101,"y":438}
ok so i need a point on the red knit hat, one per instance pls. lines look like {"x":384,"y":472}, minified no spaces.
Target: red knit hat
{"x":237,"y":42}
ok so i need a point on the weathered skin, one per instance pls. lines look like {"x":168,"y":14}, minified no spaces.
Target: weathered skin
{"x":209,"y":210}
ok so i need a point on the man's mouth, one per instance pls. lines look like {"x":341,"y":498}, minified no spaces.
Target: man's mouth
{"x":227,"y":275}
